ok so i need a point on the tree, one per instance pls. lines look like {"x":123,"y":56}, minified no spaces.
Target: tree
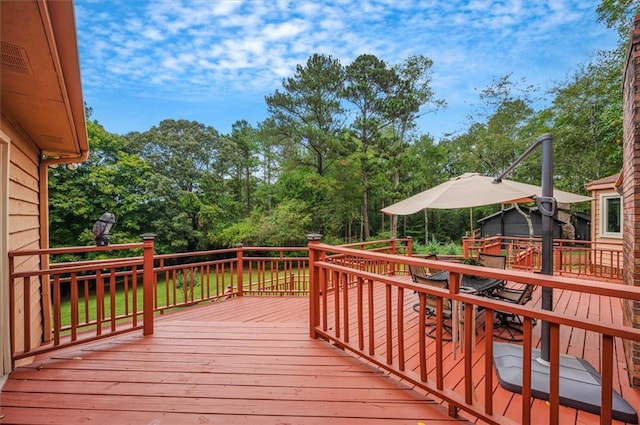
{"x":413,"y":92}
{"x":370,"y":86}
{"x":270,"y":157}
{"x":308,"y":110}
{"x":110,"y":180}
{"x":587,"y":123}
{"x":243,"y":162}
{"x":187,"y":172}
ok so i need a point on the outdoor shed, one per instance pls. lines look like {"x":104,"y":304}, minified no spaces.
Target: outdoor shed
{"x":582,"y":225}
{"x":509,"y":222}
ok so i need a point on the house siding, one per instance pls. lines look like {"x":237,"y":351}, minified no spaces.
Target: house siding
{"x":631,"y":195}
{"x":605,"y":244}
{"x":24,"y":228}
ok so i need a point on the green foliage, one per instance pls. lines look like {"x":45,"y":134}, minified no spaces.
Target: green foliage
{"x":433,"y":247}
{"x":340,"y":143}
{"x":618,"y":14}
{"x":190,"y":278}
{"x":453,"y":249}
{"x":587,"y":114}
{"x":287,"y":225}
{"x":471,"y":261}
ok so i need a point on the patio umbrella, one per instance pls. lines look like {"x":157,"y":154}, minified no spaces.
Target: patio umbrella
{"x":473,"y":190}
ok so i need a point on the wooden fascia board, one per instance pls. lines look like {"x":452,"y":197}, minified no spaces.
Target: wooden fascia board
{"x":59,"y":22}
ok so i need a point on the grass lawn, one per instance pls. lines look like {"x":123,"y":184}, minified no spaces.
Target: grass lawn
{"x":124,"y":299}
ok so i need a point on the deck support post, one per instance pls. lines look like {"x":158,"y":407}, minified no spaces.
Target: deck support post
{"x":240,"y":268}
{"x":314,"y":284}
{"x":410,"y":246}
{"x":453,"y":410}
{"x":147,"y":283}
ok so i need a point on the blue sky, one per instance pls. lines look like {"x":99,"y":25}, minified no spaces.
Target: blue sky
{"x":214,"y":61}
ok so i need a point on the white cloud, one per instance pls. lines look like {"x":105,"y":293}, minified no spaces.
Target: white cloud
{"x":168,"y":49}
{"x":275,"y":32}
{"x":152,"y":34}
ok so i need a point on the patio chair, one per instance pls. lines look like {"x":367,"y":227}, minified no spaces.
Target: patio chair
{"x":421,"y":271}
{"x":431,"y":306}
{"x":495,"y":261}
{"x":510,"y":323}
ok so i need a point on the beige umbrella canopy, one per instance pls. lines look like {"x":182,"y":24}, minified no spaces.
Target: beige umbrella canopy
{"x":473,"y":190}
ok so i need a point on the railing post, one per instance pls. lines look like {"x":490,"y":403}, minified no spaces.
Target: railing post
{"x":240,"y":267}
{"x":314,"y":284}
{"x":410,"y":246}
{"x":148,"y":287}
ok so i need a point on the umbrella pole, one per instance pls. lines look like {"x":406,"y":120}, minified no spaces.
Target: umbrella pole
{"x":574,"y":373}
{"x":547,"y":206}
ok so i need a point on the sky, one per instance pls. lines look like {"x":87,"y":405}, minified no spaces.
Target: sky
{"x":214,"y":61}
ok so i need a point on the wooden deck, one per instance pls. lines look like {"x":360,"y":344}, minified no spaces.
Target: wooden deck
{"x":247,"y":360}
{"x":250,"y":360}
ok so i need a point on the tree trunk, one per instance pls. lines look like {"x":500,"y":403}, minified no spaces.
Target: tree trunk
{"x":526,"y":217}
{"x":426,"y":227}
{"x":365,"y":215}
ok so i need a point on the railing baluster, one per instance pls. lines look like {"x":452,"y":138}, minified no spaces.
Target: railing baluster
{"x":389,"y":328}
{"x":469,"y":389}
{"x":112,"y":299}
{"x":26,"y":312}
{"x":57,"y":319}
{"x":345,"y":303}
{"x":554,"y":374}
{"x":370,"y":300}
{"x":606,"y":374}
{"x":400,"y":321}
{"x":422,"y":349}
{"x":87,"y":300}
{"x":360,"y":310}
{"x":488,"y":361}
{"x":526,"y":369}
{"x":439,"y":351}
{"x":99,"y":302}
{"x":74,"y":307}
{"x":336,"y":303}
{"x":125,"y":288}
{"x":134,"y":296}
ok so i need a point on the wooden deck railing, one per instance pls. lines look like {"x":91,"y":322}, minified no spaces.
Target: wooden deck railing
{"x":90,"y":287}
{"x":97,"y":298}
{"x":571,"y":257}
{"x":378,"y":329}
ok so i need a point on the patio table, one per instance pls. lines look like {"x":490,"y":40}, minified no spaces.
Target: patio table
{"x":471,"y":285}
{"x":480,"y":285}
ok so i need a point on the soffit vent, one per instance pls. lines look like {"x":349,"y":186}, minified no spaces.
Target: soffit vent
{"x":14,"y":59}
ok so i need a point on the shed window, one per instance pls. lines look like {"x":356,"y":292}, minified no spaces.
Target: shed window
{"x":611,"y":210}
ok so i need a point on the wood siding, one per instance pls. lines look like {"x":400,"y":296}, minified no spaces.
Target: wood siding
{"x":602,"y":242}
{"x":24,"y":224}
